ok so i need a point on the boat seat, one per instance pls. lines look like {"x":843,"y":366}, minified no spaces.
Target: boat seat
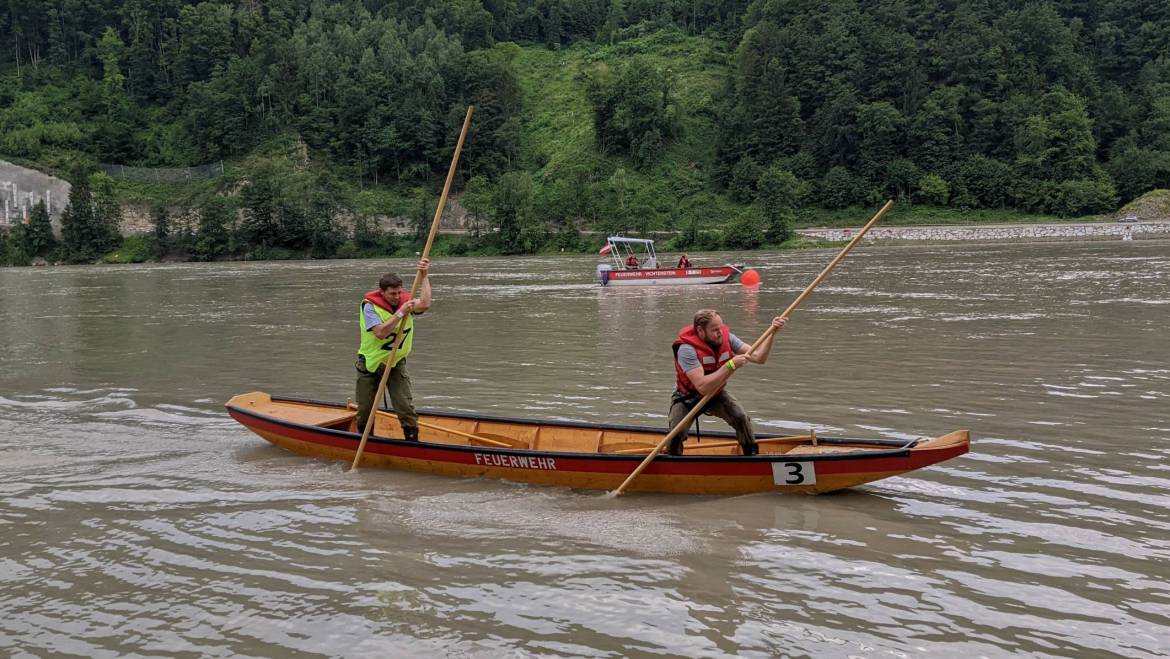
{"x":312,"y":416}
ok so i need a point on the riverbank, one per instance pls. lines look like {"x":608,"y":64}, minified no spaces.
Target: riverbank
{"x":998,"y":233}
{"x":458,"y":243}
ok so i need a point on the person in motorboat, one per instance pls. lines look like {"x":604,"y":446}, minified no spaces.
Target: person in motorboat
{"x":705,"y":354}
{"x":381,"y":310}
{"x":684,"y":262}
{"x":632,"y":262}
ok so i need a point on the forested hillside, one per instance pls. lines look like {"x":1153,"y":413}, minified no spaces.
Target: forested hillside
{"x":591,"y":114}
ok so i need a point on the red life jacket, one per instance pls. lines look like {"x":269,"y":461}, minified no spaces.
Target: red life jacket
{"x":707,"y":357}
{"x":375,"y":298}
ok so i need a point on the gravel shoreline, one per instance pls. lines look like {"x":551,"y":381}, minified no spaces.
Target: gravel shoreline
{"x":1073,"y":231}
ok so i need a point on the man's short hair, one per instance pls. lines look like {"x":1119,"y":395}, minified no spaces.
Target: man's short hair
{"x":702,"y":317}
{"x":389,"y":280}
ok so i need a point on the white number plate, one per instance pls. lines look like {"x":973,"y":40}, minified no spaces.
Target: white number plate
{"x":794,"y":473}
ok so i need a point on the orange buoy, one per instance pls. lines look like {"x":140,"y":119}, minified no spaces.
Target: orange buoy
{"x":750,"y":278}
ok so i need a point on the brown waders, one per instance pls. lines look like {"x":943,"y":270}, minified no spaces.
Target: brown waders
{"x":722,"y":405}
{"x":401,"y":399}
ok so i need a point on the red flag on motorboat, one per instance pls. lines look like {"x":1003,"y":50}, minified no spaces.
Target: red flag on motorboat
{"x":605,"y":250}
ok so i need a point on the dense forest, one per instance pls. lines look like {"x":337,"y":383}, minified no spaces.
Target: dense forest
{"x":696,"y":115}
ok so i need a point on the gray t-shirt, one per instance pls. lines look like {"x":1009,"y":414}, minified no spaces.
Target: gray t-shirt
{"x":370,"y":316}
{"x":689,"y":359}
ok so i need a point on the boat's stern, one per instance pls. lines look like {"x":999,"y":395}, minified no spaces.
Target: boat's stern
{"x":602,"y":275}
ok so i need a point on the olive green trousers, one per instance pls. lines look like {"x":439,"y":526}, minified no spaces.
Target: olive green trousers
{"x":401,"y":398}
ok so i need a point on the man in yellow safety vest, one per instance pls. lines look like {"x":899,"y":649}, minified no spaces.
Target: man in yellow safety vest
{"x":381,"y":311}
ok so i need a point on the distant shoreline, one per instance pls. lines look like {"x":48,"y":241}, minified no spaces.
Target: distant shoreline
{"x":999,"y":233}
{"x":820,"y":238}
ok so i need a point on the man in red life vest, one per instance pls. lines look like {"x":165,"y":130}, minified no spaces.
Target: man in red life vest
{"x":632,"y":262}
{"x":381,"y":311}
{"x":705,"y":354}
{"x":684,"y":262}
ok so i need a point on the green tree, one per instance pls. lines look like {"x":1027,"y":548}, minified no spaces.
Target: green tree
{"x":1137,"y":171}
{"x":477,"y":199}
{"x":512,"y":213}
{"x":110,"y":50}
{"x":38,"y":233}
{"x":986,"y":180}
{"x":936,"y":133}
{"x":12,"y":248}
{"x":780,"y":193}
{"x":422,"y":213}
{"x":114,"y":137}
{"x":764,"y":121}
{"x":262,"y":200}
{"x":615,"y":18}
{"x":213,"y":238}
{"x":745,"y":232}
{"x":161,"y":219}
{"x":901,"y":176}
{"x":1084,"y":197}
{"x":840,"y":189}
{"x":494,"y":89}
{"x":634,"y":114}
{"x":745,"y":175}
{"x":933,"y":190}
{"x":323,"y":204}
{"x":835,"y":136}
{"x":367,"y":235}
{"x":881,"y":132}
{"x":1056,"y":142}
{"x":89,"y":225}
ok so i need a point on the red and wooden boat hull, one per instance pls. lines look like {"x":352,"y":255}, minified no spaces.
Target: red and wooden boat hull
{"x":809,"y":473}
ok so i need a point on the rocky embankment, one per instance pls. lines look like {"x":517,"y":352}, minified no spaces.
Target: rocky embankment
{"x":21,"y":188}
{"x":1001,"y":232}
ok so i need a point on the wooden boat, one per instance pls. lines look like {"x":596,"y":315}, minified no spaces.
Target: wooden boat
{"x":635,"y":263}
{"x":583,"y":455}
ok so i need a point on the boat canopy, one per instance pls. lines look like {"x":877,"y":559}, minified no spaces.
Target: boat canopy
{"x":630,"y":253}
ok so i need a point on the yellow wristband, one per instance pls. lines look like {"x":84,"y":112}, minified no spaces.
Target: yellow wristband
{"x":730,"y":364}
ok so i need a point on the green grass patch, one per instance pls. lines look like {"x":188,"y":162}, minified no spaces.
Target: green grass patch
{"x":1153,"y":205}
{"x":558,"y":141}
{"x":395,"y":201}
{"x":134,"y":249}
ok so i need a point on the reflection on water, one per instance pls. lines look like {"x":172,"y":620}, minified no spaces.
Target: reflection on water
{"x":138,"y":519}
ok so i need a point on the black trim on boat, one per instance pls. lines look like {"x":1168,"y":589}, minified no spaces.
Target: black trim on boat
{"x":722,"y":434}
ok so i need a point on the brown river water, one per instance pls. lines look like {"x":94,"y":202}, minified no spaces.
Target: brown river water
{"x":137,"y":519}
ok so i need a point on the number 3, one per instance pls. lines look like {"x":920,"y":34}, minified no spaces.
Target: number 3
{"x":794,"y":473}
{"x":794,"y":476}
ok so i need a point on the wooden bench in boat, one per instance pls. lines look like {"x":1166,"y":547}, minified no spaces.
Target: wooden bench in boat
{"x":311,"y":416}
